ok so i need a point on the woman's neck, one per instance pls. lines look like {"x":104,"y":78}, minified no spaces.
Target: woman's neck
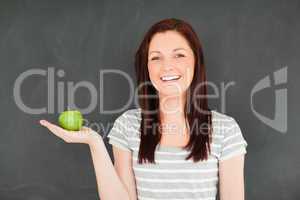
{"x":171,"y":106}
{"x":172,"y":112}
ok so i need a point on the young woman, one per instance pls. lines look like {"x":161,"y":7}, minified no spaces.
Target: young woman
{"x":173,"y":146}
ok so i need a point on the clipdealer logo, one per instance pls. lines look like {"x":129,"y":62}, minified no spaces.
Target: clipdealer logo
{"x":70,"y":87}
{"x":278,"y":123}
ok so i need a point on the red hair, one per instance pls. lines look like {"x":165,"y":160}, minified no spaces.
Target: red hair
{"x":200,"y":136}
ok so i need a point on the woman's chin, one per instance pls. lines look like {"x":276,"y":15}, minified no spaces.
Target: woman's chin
{"x":171,"y":91}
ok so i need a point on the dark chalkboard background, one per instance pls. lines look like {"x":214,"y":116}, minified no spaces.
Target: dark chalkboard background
{"x":244,"y":41}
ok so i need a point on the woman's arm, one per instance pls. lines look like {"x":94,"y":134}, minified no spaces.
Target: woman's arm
{"x":110,"y":187}
{"x":231,"y":173}
{"x":109,"y":184}
{"x":123,"y":165}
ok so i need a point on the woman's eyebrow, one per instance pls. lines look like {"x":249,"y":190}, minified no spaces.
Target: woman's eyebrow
{"x":179,"y":49}
{"x":173,"y":50}
{"x":154,"y":52}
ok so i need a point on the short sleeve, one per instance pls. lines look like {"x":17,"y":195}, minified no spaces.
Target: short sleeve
{"x":118,"y":134}
{"x":233,"y":142}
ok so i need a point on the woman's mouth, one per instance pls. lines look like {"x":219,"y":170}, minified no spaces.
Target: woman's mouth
{"x":170,"y":78}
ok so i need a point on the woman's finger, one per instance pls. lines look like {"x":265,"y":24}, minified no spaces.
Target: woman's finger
{"x":58,"y":131}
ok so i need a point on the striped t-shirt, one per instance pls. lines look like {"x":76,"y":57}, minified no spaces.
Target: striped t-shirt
{"x":173,"y":177}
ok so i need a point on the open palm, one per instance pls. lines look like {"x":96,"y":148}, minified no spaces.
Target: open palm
{"x":84,"y":135}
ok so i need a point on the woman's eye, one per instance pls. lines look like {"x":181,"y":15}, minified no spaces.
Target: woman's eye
{"x":180,"y":55}
{"x":155,"y":58}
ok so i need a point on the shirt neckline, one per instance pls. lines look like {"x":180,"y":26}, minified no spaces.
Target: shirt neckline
{"x":170,"y":148}
{"x":174,"y":148}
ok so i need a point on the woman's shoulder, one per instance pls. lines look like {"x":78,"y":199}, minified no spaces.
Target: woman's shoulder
{"x":223,"y":123}
{"x":219,"y":116}
{"x":124,"y":132}
{"x":227,"y":136}
{"x":222,"y":120}
{"x":132,"y":114}
{"x":131,"y":117}
{"x":133,"y":111}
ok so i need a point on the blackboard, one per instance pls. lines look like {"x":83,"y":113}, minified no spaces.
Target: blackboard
{"x":244,"y":42}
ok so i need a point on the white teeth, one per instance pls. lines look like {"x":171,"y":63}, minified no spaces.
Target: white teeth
{"x":168,"y":78}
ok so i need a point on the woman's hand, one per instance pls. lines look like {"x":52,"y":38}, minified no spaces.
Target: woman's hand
{"x":84,"y":135}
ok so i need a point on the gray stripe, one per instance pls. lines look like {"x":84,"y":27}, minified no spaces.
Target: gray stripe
{"x":175,"y":175}
{"x":179,"y":194}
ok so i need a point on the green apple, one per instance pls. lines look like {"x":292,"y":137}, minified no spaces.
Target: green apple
{"x":71,"y":120}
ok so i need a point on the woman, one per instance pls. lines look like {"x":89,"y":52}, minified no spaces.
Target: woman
{"x":173,"y":146}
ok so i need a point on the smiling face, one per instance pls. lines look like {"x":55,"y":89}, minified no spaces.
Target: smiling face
{"x":171,"y":63}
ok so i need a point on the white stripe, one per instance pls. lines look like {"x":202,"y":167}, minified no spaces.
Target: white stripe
{"x":177,"y":189}
{"x":230,"y":137}
{"x":134,"y":129}
{"x":183,"y":152}
{"x":217,"y":136}
{"x":221,"y":127}
{"x":242,"y":151}
{"x":177,"y":161}
{"x":118,"y":130}
{"x":119,"y":140}
{"x":124,"y":126}
{"x":134,"y":139}
{"x":133,"y":117}
{"x":221,"y":120}
{"x":122,"y":133}
{"x":171,"y":171}
{"x":216,"y":145}
{"x":138,"y":140}
{"x":148,"y":198}
{"x":212,"y":145}
{"x":175,"y":180}
{"x":232,"y":145}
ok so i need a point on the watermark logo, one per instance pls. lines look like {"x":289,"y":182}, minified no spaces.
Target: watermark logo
{"x":57,"y":88}
{"x":279,"y":122}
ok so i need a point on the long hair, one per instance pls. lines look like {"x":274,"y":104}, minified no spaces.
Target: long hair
{"x":196,"y":110}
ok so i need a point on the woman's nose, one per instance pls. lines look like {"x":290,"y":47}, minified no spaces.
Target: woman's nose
{"x":168,"y":64}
